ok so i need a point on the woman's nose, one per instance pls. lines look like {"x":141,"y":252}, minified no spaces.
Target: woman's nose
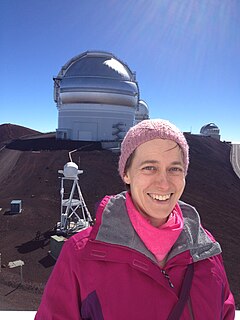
{"x":162,"y":180}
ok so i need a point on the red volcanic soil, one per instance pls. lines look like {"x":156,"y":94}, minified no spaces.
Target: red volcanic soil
{"x":29,"y":171}
{"x":9,"y":132}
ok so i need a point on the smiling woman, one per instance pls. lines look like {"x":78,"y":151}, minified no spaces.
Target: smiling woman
{"x":146,"y":246}
{"x":156,"y":178}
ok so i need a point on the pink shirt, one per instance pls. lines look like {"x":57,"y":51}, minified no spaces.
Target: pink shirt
{"x":158,"y":240}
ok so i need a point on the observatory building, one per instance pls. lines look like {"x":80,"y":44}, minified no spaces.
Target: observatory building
{"x":211,"y":130}
{"x":97,"y":97}
{"x":142,"y":112}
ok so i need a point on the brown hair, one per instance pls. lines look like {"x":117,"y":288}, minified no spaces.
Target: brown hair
{"x":127,"y":166}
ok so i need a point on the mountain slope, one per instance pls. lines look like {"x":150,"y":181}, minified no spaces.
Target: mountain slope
{"x":11,"y":131}
{"x":212,"y":187}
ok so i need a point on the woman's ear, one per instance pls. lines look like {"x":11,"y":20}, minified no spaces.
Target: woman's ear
{"x":126,"y":178}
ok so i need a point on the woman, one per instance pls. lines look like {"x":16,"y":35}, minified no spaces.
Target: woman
{"x":147,"y":256}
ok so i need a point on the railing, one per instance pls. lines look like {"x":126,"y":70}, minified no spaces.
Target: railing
{"x":18,"y":315}
{"x":235,"y":158}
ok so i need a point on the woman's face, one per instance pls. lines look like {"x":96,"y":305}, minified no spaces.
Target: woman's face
{"x":156,"y":178}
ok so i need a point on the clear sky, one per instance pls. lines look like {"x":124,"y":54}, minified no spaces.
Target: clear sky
{"x":186,"y":55}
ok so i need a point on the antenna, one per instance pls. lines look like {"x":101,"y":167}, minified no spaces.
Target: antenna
{"x":70,"y":152}
{"x":74,"y":213}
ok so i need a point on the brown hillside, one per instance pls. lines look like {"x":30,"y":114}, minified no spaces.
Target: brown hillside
{"x":32,"y":175}
{"x":11,"y":131}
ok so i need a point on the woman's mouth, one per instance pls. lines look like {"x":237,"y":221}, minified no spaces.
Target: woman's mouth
{"x":160,"y":197}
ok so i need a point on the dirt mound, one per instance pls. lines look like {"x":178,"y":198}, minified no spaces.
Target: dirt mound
{"x":32,"y":176}
{"x":11,"y":131}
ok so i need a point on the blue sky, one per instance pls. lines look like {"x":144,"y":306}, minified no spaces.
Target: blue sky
{"x":186,"y":55}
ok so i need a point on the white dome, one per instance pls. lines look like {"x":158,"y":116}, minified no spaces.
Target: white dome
{"x":97,"y":96}
{"x":96,"y":77}
{"x":142,"y":111}
{"x":211,"y":130}
{"x":70,"y":170}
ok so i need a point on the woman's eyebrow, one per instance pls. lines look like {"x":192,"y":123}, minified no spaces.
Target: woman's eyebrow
{"x":180,"y":163}
{"x":149,"y":162}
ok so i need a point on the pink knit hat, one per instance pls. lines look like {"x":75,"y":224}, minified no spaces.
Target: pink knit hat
{"x":148,"y":130}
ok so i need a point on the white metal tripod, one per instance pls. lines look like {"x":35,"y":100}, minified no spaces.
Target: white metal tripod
{"x":74,"y":213}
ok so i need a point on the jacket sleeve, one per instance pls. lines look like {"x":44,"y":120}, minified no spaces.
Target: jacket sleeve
{"x":61,"y":298}
{"x":228,"y":311}
{"x":228,"y":300}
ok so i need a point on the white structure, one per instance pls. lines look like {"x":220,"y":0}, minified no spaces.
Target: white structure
{"x":142,"y":112}
{"x":235,"y":158}
{"x":15,"y":264}
{"x":74,"y":213}
{"x":211,"y":130}
{"x":97,"y":96}
{"x":16,"y":206}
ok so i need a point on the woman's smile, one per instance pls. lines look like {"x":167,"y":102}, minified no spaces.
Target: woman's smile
{"x":159,"y":197}
{"x":156,"y":178}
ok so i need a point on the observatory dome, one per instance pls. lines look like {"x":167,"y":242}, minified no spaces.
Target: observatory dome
{"x":96,"y":77}
{"x":97,"y":96}
{"x":211,"y":130}
{"x":142,"y":112}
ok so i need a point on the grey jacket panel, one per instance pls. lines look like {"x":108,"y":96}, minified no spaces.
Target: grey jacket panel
{"x":116,"y":228}
{"x":193,"y":237}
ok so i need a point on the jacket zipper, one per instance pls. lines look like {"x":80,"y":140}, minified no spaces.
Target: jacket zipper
{"x":167,"y":277}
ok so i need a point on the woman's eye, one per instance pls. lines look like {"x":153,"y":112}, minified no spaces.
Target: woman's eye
{"x":176,"y":169}
{"x":149,"y":168}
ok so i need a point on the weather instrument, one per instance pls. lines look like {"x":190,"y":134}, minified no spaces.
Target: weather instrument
{"x":74,"y":213}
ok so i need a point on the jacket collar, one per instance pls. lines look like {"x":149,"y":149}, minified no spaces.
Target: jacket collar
{"x":113,"y":226}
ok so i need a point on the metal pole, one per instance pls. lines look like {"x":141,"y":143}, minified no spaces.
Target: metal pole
{"x":21,"y":274}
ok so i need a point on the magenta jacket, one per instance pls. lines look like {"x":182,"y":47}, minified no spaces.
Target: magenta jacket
{"x":106,"y":272}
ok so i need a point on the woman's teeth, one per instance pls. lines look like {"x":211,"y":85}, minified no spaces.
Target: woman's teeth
{"x":160,"y":197}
